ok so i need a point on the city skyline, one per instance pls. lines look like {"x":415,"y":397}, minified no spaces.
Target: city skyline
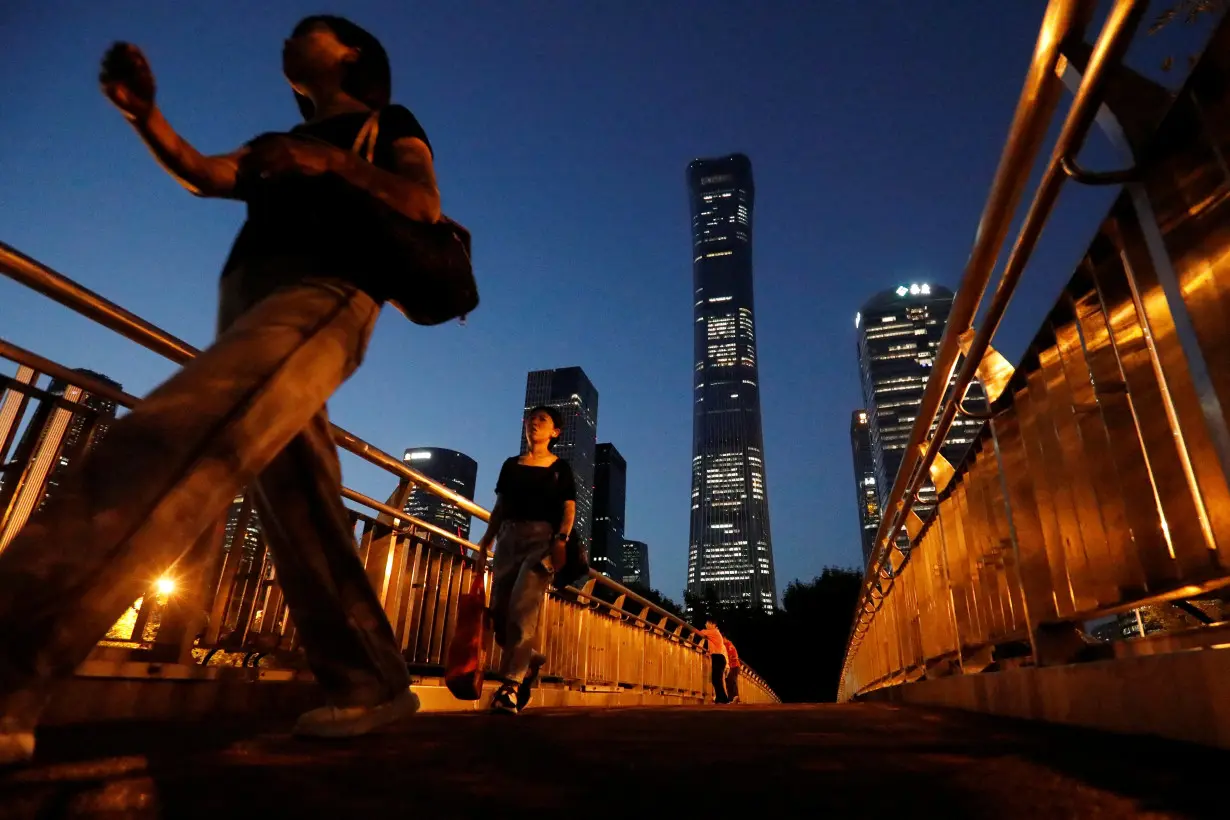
{"x":730,"y":544}
{"x":577,"y":239}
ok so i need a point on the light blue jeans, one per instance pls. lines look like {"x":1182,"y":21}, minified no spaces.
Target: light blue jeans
{"x":521,"y":574}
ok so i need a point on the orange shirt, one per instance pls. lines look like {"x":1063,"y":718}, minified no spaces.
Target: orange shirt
{"x":717,"y":644}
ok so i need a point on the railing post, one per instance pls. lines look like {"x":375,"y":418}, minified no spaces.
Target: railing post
{"x":233,"y":556}
{"x":184,"y":613}
{"x":13,"y":406}
{"x":379,"y":540}
{"x":252,"y":592}
{"x":143,"y":615}
{"x":1133,"y":107}
{"x":236,"y":581}
{"x":24,"y":483}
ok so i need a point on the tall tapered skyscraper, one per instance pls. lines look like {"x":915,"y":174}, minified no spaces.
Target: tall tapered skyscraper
{"x":730,"y":551}
{"x":569,"y":390}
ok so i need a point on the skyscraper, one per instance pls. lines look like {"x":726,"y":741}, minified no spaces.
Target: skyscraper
{"x":610,"y":496}
{"x":456,"y":471}
{"x":636,"y":563}
{"x":56,"y":436}
{"x":251,"y":532}
{"x":569,"y":390}
{"x":899,"y":331}
{"x":866,"y":491}
{"x":730,"y":551}
{"x":79,"y":439}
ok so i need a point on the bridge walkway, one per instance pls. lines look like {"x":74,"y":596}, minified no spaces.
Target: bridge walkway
{"x":835,"y":761}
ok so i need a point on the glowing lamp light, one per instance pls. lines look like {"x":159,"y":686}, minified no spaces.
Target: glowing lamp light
{"x":164,"y":586}
{"x":903,"y":290}
{"x":915,"y":290}
{"x":858,"y":317}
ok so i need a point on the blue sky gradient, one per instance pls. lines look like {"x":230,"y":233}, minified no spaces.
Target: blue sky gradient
{"x":562,"y":133}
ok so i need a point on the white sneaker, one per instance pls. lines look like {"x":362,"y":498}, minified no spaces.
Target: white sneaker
{"x":352,"y":721}
{"x":16,"y":747}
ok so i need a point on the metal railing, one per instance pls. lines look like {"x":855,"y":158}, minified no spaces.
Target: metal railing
{"x":1099,"y":482}
{"x":227,"y":605}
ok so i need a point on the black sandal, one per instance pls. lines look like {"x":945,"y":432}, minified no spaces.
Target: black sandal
{"x":525,"y":690}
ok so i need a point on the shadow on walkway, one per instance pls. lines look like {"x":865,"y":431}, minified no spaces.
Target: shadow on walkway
{"x":782,"y":761}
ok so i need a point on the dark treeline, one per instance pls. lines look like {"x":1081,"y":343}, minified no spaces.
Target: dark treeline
{"x":798,"y":649}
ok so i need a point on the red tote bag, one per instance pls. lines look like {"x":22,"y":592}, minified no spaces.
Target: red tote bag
{"x":465,"y":662}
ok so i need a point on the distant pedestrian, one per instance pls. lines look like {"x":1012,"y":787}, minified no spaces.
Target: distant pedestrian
{"x":535,"y":507}
{"x":717,"y":658}
{"x":732,"y":671}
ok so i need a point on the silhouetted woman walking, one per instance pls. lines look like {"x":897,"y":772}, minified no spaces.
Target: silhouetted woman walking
{"x":297,"y":305}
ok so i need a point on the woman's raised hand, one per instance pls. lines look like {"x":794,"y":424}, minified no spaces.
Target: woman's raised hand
{"x":127,"y":81}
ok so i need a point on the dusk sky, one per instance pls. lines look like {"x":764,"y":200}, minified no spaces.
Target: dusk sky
{"x":562,"y":130}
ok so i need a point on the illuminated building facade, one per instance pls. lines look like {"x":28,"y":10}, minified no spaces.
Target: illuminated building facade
{"x":456,"y":471}
{"x":82,"y":431}
{"x":636,"y":563}
{"x":56,"y":436}
{"x":866,"y":491}
{"x":569,"y":390}
{"x":610,"y":500}
{"x":251,"y":530}
{"x":899,"y":332}
{"x":730,"y":550}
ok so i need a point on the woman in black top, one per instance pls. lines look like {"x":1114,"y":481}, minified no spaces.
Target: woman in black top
{"x":535,"y":508}
{"x":294,"y":320}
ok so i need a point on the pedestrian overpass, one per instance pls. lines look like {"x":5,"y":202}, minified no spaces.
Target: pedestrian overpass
{"x":217,"y":621}
{"x":1099,"y":488}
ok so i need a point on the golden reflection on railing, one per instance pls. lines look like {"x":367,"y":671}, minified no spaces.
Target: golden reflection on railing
{"x":1100,"y":483}
{"x":224,"y":605}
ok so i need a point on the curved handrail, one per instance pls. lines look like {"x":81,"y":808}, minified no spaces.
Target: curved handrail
{"x":20,"y":355}
{"x":1064,"y":20}
{"x":1035,"y":108}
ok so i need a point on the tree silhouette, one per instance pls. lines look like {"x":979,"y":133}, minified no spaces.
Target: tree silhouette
{"x":798,"y":649}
